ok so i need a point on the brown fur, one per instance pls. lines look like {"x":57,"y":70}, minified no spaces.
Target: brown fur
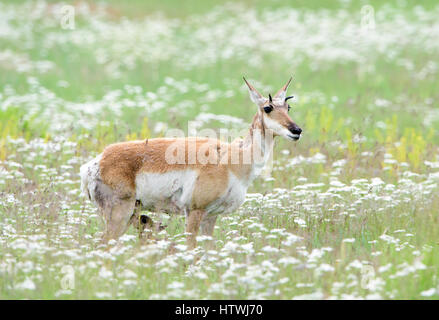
{"x":280,"y":114}
{"x":121,"y":162}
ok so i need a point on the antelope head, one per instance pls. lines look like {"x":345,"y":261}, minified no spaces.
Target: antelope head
{"x":273,"y":112}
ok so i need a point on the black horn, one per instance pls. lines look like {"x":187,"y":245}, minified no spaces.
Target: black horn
{"x":269,"y":97}
{"x":286,"y":99}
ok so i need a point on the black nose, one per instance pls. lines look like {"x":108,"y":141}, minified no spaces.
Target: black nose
{"x":296,"y":130}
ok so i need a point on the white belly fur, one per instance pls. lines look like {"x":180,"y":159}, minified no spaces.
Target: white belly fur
{"x":173,"y":191}
{"x":168,"y":191}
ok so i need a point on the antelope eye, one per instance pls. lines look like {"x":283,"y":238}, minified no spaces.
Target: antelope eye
{"x":268,"y":109}
{"x":289,"y":107}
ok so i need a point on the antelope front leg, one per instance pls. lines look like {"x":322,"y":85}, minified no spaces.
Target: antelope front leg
{"x":193,"y":221}
{"x":207,"y":227}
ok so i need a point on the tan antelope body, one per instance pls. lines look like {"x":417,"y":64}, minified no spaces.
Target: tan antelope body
{"x":210,"y":177}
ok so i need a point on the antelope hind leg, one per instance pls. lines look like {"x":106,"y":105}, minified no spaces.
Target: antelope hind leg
{"x":117,"y":218}
{"x":193,"y":221}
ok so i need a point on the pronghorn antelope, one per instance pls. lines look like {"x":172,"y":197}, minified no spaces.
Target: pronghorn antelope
{"x":127,"y":176}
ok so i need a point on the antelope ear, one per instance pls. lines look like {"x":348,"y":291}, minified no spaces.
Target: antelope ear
{"x":282,"y":93}
{"x":255,"y":96}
